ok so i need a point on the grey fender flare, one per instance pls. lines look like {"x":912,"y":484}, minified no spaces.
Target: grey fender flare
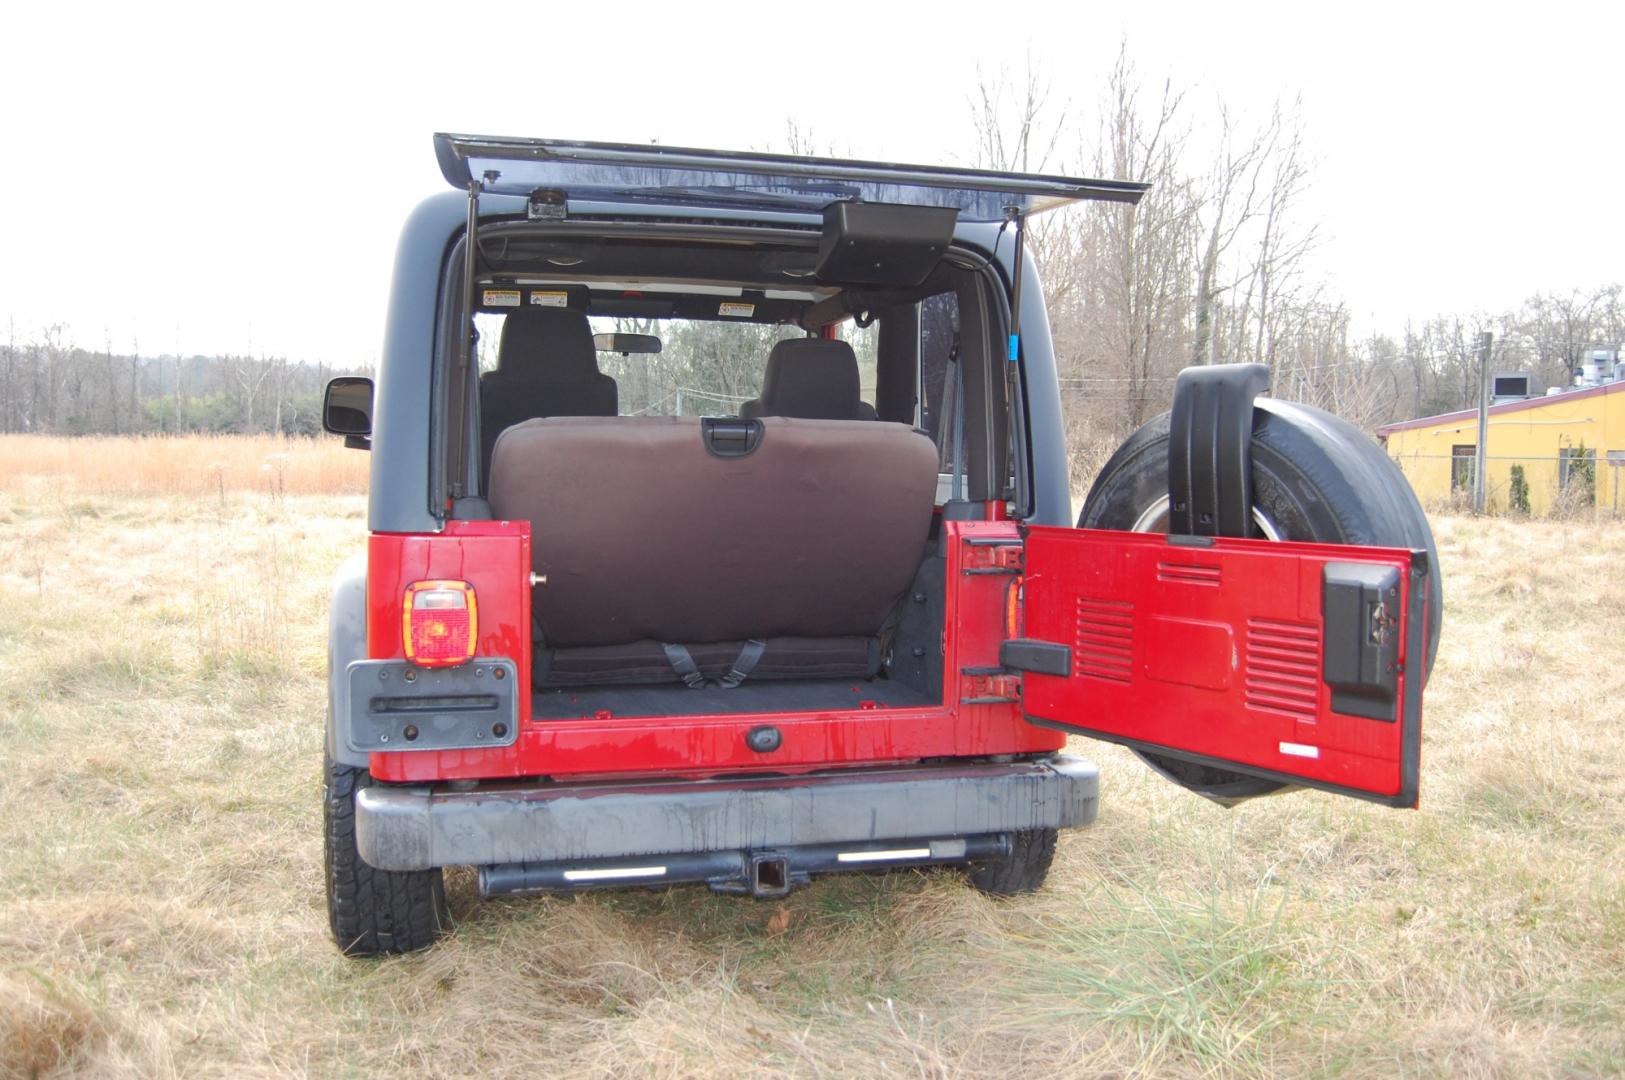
{"x":346,"y":641}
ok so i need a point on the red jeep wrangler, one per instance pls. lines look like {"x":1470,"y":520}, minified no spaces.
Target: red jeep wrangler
{"x":721,"y":532}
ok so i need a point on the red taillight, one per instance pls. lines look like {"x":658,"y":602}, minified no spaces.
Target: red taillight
{"x":1012,"y":607}
{"x":439,"y":622}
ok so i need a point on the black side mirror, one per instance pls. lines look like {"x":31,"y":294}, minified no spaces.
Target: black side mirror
{"x":347,"y":410}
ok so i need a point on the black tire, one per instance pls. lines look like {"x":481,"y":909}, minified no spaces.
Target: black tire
{"x":1316,"y":478}
{"x":1022,"y":871}
{"x":373,"y":911}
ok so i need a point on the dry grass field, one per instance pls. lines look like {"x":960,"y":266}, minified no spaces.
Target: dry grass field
{"x":161,"y":913}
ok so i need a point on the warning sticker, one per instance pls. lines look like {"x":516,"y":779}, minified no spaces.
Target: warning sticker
{"x":501,"y":298}
{"x":735,"y":310}
{"x":549,"y":299}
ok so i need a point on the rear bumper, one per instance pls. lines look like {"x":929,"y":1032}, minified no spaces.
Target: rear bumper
{"x":414,"y":828}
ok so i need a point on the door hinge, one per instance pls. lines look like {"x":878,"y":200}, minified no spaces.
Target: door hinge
{"x":1003,"y":558}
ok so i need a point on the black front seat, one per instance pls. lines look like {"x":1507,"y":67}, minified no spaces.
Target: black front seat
{"x":546,"y":366}
{"x":811,"y":378}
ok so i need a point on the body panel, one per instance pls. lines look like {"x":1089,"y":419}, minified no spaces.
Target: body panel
{"x":702,"y":745}
{"x":493,"y":557}
{"x":1217,"y":652}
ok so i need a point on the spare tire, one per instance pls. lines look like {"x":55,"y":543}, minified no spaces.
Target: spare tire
{"x":1316,"y":478}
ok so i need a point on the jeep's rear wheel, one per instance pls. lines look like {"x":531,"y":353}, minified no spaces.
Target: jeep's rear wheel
{"x":1315,"y":478}
{"x":1021,"y":871}
{"x":373,"y":911}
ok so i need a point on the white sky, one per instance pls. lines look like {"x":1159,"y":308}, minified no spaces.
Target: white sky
{"x":225,"y":180}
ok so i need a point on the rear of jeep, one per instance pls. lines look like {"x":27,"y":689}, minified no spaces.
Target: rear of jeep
{"x":720,"y":532}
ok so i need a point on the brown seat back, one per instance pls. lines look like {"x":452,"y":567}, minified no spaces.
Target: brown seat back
{"x":644,"y":533}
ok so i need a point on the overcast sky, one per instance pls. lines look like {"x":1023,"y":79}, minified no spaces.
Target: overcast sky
{"x":223,"y":181}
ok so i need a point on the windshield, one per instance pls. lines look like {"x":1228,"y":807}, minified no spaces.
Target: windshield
{"x":704,"y":368}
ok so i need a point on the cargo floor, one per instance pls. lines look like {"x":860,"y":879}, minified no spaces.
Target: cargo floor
{"x":765,"y":697}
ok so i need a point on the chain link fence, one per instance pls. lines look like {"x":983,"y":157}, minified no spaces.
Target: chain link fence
{"x":1573,"y":483}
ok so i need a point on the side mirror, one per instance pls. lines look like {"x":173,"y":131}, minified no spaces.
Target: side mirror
{"x":626,"y":343}
{"x":347,"y":410}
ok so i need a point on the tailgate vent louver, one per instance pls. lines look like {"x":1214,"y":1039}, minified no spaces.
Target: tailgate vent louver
{"x":1105,"y":643}
{"x":1283,"y":668}
{"x":1188,"y":573}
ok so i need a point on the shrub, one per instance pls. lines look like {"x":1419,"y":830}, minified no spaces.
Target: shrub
{"x":1518,"y":491}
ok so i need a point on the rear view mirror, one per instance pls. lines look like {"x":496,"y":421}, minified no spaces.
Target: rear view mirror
{"x":347,"y":409}
{"x":626,"y":343}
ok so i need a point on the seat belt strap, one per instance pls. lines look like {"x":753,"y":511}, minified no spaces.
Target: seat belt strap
{"x":683,"y":663}
{"x":744,"y":664}
{"x":957,"y":491}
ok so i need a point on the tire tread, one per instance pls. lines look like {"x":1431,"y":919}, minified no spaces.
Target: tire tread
{"x":1023,"y":870}
{"x":373,"y":911}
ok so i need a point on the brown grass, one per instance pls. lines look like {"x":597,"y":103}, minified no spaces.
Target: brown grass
{"x":190,"y":465}
{"x":161,"y":701}
{"x":41,"y":1030}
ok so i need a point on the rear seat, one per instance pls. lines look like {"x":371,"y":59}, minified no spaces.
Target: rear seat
{"x":649,"y":539}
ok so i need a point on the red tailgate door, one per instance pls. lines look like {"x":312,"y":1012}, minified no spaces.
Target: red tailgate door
{"x":1295,"y":662}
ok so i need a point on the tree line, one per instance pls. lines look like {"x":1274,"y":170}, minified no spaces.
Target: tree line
{"x":50,"y":385}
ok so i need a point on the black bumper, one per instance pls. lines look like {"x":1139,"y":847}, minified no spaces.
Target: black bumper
{"x":414,"y":828}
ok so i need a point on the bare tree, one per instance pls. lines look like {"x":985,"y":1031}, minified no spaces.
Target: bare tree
{"x":1142,"y":253}
{"x":1228,"y":204}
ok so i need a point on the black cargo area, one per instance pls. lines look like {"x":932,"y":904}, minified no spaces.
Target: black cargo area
{"x":809,"y":695}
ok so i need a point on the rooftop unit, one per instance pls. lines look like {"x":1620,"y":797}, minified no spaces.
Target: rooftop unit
{"x":1514,"y":386}
{"x":1599,"y":366}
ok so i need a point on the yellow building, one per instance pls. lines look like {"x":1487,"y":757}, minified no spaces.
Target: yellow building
{"x":1570,"y":447}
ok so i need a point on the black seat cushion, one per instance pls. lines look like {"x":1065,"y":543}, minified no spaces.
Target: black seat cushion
{"x":811,"y":378}
{"x":644,"y":663}
{"x":547,"y":365}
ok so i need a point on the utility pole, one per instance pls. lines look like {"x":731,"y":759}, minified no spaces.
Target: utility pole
{"x":1480,"y":452}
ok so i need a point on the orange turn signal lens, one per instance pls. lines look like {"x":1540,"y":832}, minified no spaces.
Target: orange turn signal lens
{"x":1012,"y":607}
{"x":439,"y":623}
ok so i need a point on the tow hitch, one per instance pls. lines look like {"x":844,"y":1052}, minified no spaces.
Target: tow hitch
{"x":769,"y":875}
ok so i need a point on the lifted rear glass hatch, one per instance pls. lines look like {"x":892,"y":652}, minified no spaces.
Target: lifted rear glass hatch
{"x":753,"y":180}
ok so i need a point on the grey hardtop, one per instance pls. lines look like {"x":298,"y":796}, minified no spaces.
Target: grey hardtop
{"x":673,"y":175}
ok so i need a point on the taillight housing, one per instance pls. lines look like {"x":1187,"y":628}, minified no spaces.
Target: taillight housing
{"x":439,"y":623}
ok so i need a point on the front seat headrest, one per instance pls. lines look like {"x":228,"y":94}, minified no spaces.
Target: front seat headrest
{"x":811,"y":378}
{"x":543,"y":345}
